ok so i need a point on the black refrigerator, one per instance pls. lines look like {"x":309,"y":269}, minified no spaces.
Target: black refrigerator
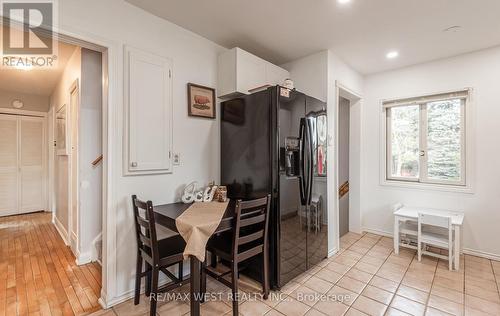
{"x":275,"y":142}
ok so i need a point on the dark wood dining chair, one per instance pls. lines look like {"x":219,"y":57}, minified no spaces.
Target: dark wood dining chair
{"x":248,"y":239}
{"x":158,"y":255}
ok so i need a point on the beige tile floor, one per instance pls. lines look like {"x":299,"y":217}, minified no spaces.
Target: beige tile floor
{"x":365,"y":278}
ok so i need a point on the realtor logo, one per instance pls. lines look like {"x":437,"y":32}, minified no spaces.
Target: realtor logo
{"x":27,"y":34}
{"x":36,"y":19}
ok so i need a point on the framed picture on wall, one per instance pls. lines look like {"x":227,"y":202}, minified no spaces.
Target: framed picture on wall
{"x":201,"y":101}
{"x":62,"y":131}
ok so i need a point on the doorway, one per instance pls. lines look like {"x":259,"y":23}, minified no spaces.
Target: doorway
{"x":343,"y":170}
{"x":348,"y":161}
{"x":51,"y":157}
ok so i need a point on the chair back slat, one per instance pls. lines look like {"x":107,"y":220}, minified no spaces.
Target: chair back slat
{"x":250,"y":252}
{"x":142,"y":222}
{"x":252,"y":220}
{"x":434,"y":220}
{"x":251,"y":237}
{"x":251,"y":227}
{"x":145,"y":227}
{"x":146,"y":241}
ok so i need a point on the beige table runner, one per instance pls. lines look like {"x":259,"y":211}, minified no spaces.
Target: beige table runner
{"x":197,"y":224}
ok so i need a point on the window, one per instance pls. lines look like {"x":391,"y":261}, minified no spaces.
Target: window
{"x":426,"y":139}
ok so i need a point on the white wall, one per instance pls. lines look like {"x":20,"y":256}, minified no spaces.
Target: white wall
{"x":481,"y":71}
{"x":197,"y":140}
{"x":32,"y":102}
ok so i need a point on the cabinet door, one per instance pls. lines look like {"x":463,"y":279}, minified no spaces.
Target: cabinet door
{"x":276,"y":75}
{"x":8,"y":165}
{"x":149,"y":98}
{"x":31,"y":163}
{"x":251,"y":71}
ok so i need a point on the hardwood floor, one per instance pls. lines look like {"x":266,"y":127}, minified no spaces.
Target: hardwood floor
{"x":38,"y":273}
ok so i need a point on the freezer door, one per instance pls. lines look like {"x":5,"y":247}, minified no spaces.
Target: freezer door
{"x":292,"y":216}
{"x":245,"y":146}
{"x":317,"y":232}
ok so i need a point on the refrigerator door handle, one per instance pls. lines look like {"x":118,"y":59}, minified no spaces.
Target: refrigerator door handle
{"x":302,"y":168}
{"x":310,"y":170}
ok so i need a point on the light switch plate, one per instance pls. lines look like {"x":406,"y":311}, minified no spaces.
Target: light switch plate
{"x":176,"y":159}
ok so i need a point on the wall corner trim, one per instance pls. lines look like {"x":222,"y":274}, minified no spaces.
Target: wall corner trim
{"x":61,"y":230}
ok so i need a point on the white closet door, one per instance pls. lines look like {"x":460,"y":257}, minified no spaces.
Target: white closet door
{"x":8,"y":165}
{"x":32,"y":162}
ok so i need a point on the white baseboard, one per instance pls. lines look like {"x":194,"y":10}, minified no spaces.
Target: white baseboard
{"x":125,"y":296}
{"x":377,"y":232}
{"x":83,"y":258}
{"x":61,"y":230}
{"x":482,"y":254}
{"x":467,"y":251}
{"x":332,"y":252}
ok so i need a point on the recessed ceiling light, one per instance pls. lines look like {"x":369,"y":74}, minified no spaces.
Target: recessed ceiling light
{"x":343,"y":1}
{"x":392,"y":54}
{"x":17,"y":104}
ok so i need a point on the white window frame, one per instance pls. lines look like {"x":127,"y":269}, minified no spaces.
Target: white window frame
{"x":422,"y":181}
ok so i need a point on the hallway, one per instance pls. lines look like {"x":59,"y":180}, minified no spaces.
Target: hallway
{"x":38,"y":273}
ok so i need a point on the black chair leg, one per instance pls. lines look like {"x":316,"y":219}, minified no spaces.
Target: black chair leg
{"x":265,"y":277}
{"x":213,"y":260}
{"x":138,"y":271}
{"x":180,"y":273}
{"x":148,"y":280}
{"x":234,"y":281}
{"x":154,"y":291}
{"x":203,"y":281}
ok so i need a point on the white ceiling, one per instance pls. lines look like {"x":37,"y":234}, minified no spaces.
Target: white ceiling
{"x":360,"y":32}
{"x":36,"y":81}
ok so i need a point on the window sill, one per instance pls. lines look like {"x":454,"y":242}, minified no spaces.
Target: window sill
{"x":428,"y":186}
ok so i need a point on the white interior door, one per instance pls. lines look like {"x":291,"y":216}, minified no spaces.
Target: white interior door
{"x":22,"y":164}
{"x":32,"y":164}
{"x":9,"y":193}
{"x":73,"y":180}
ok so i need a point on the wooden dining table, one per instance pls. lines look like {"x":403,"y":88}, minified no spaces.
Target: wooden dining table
{"x":165,"y":215}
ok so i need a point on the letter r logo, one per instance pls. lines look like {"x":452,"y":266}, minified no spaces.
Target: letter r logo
{"x":37,"y":22}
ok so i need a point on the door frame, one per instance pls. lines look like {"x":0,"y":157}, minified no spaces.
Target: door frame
{"x":73,"y":163}
{"x":110,"y":51}
{"x":355,"y":99}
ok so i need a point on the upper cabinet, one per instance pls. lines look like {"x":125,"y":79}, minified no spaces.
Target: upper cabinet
{"x":241,"y":73}
{"x":148,"y":115}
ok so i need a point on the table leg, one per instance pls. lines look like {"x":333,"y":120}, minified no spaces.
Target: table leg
{"x":195,"y":285}
{"x":457,"y":248}
{"x":396,"y":235}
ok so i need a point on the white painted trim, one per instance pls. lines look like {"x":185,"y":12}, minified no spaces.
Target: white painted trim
{"x":332,"y":252}
{"x":125,"y":296}
{"x":73,"y":126}
{"x":344,"y":91}
{"x":377,"y":232}
{"x":467,"y":251}
{"x":83,"y":258}
{"x":482,"y":254}
{"x":22,"y":112}
{"x":60,"y":229}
